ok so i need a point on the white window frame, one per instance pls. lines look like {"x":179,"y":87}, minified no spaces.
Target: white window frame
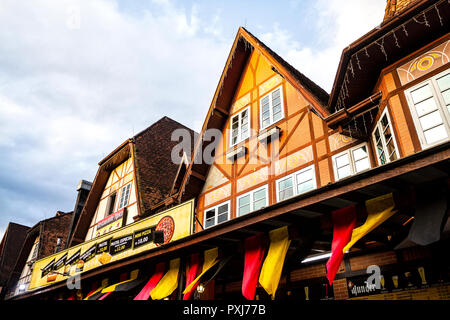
{"x":240,"y":137}
{"x":251,"y":194}
{"x":122,"y":190}
{"x":215,"y":208}
{"x":352,"y":161}
{"x":272,"y":122}
{"x":295,"y":182}
{"x":442,"y":108}
{"x":383,"y":142}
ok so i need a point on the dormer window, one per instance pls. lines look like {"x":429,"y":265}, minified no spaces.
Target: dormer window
{"x":124,"y":196}
{"x":240,"y":127}
{"x":272,"y":108}
{"x":111,"y":204}
{"x":384,"y":140}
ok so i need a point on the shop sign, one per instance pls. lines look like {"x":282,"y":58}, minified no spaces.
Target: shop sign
{"x":176,"y":223}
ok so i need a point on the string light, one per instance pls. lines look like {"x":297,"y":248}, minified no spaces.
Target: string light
{"x":380,"y":43}
{"x":357,"y":61}
{"x":396,"y":40}
{"x":439,"y":14}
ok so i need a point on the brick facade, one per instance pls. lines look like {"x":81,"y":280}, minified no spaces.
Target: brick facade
{"x":394,"y":7}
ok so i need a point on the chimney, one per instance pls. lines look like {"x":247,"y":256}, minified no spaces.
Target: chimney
{"x":395,"y":7}
{"x":83,"y":189}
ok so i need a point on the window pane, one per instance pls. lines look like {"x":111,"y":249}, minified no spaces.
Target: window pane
{"x":431,"y":120}
{"x":390,"y":147}
{"x":426,"y":106}
{"x":285,"y":184}
{"x":222,"y":218}
{"x":421,"y":94}
{"x":244,"y":210}
{"x":222,"y":209}
{"x":244,"y":201}
{"x":342,"y":161}
{"x":305,"y":187}
{"x":276,"y":101}
{"x":444,"y":82}
{"x":446,"y":96}
{"x":344,"y":172}
{"x":305,"y":176}
{"x":360,"y":153}
{"x":377,"y":135}
{"x":286,"y":194}
{"x":387,"y":134}
{"x":276,"y":94}
{"x":210,"y":214}
{"x":209,"y":223}
{"x":259,"y":204}
{"x":260,"y":194}
{"x":277,"y":116}
{"x":362,"y":165}
{"x":435,"y":134}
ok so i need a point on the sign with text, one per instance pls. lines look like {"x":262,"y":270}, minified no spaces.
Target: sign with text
{"x":176,"y":223}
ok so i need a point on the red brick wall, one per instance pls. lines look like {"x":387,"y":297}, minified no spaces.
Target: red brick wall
{"x":51,"y":230}
{"x":311,"y":272}
{"x":340,"y":289}
{"x":379,"y":259}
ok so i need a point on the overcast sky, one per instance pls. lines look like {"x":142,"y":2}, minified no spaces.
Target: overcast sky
{"x":77,"y":78}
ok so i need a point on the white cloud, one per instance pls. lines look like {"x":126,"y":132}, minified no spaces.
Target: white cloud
{"x":72,"y":88}
{"x":338,"y":24}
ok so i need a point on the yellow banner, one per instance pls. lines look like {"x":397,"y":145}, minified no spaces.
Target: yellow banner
{"x":128,"y":241}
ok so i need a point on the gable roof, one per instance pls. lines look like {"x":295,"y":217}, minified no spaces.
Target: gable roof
{"x":154,"y":171}
{"x":363,"y":60}
{"x":244,"y":44}
{"x":10,"y":246}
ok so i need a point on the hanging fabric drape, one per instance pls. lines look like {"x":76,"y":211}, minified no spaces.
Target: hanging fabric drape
{"x":97,"y":293}
{"x":194,"y":267}
{"x":430,"y":211}
{"x":378,"y":211}
{"x":151,"y":284}
{"x":344,"y":221}
{"x":210,"y":260}
{"x":254,"y":255}
{"x":273,"y":264}
{"x":122,"y":278}
{"x":125,"y":285}
{"x":167,"y":285}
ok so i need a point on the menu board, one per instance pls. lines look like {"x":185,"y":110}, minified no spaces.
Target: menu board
{"x":175,"y":223}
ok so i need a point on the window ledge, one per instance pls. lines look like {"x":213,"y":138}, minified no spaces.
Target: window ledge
{"x":269,"y":134}
{"x":236,"y":153}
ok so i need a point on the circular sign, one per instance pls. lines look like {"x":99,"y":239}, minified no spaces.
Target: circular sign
{"x":167,"y":225}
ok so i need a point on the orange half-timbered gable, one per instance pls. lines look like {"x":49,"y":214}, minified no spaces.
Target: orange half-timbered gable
{"x":119,"y":194}
{"x":388,"y":102}
{"x":296,"y":162}
{"x":130,"y":181}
